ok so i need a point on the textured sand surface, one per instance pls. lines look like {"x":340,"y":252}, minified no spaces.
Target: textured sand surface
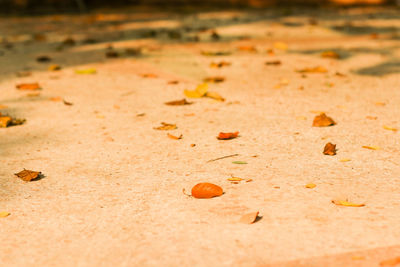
{"x":112,"y":191}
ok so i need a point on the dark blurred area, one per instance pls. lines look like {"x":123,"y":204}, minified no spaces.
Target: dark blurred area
{"x":46,"y":6}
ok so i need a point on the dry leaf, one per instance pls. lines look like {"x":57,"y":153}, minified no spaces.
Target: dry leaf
{"x":173,"y":82}
{"x":192,"y":145}
{"x":311,"y":186}
{"x":330,"y":54}
{"x":178,"y":102}
{"x":249,"y":218}
{"x":175,"y":137}
{"x":219,"y":64}
{"x":28,"y":175}
{"x":274,"y":62}
{"x":346,"y":203}
{"x":149,"y":75}
{"x":4,"y":214}
{"x":248,"y":48}
{"x":86,"y":71}
{"x":317,"y":69}
{"x":216,"y":53}
{"x":28,"y":86}
{"x":215,"y":96}
{"x":227,"y":136}
{"x":43,"y":59}
{"x":206,"y":190}
{"x":54,"y":67}
{"x":5,"y":121}
{"x":372,"y":147}
{"x":216,"y":79}
{"x":200,"y":91}
{"x":344,"y":160}
{"x":55,"y":98}
{"x":322,"y":121}
{"x":235,"y":179}
{"x":112,"y":54}
{"x":330,"y":149}
{"x":389,"y":128}
{"x":381,"y":104}
{"x":281,"y":46}
{"x":390,"y":262}
{"x":166,"y":126}
{"x":67,"y":103}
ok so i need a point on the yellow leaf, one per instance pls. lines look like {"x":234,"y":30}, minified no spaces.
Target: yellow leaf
{"x":235,"y":179}
{"x":166,"y":126}
{"x":346,"y":203}
{"x":200,"y":91}
{"x":318,"y":69}
{"x":344,"y":160}
{"x":86,"y":71}
{"x":389,"y":128}
{"x":372,"y":147}
{"x":54,"y":67}
{"x":281,"y":46}
{"x":330,"y":54}
{"x":4,"y":214}
{"x":215,"y":96}
{"x":311,"y":186}
{"x":5,"y":121}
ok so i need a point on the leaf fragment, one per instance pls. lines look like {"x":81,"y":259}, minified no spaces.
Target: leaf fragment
{"x":344,"y":160}
{"x":273,"y":63}
{"x":28,"y":175}
{"x":200,"y":91}
{"x":215,"y":96}
{"x":181,"y":102}
{"x":28,"y":86}
{"x":215,"y":79}
{"x":227,"y":136}
{"x":216,"y":53}
{"x":149,"y":75}
{"x":323,"y":121}
{"x":4,"y":214}
{"x":248,"y":48}
{"x":43,"y":59}
{"x":174,"y":137}
{"x":311,"y":185}
{"x":166,"y":126}
{"x":239,"y":162}
{"x":372,"y":147}
{"x":330,"y":54}
{"x":317,"y":69}
{"x":235,"y":179}
{"x":5,"y":121}
{"x":249,"y":218}
{"x":390,"y":262}
{"x":330,"y":149}
{"x":54,"y":67}
{"x":220,"y":64}
{"x":347,"y":203}
{"x":390,"y":128}
{"x":86,"y":71}
{"x":206,"y":190}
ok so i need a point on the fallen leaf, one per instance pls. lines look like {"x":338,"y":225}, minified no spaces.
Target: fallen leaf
{"x":4,"y":214}
{"x":173,"y":82}
{"x":174,"y":137}
{"x":69,"y":41}
{"x":330,"y":54}
{"x":381,"y":104}
{"x":28,"y":175}
{"x":311,"y":186}
{"x":344,"y":160}
{"x":54,"y":67}
{"x":166,"y":126}
{"x":55,"y":99}
{"x":390,"y":262}
{"x":112,"y":54}
{"x":219,"y":64}
{"x":216,"y":79}
{"x":192,"y":145}
{"x":215,"y":53}
{"x":149,"y":75}
{"x":340,"y":74}
{"x":317,"y":69}
{"x":239,"y":162}
{"x":206,"y":190}
{"x":249,"y":180}
{"x":389,"y":128}
{"x":235,"y":179}
{"x":274,"y":62}
{"x":67,"y":103}
{"x":323,"y":121}
{"x":5,"y":121}
{"x":227,"y":136}
{"x":43,"y":59}
{"x":215,"y":96}
{"x":372,"y":147}
{"x":281,"y":46}
{"x":330,"y":149}
{"x":28,"y":86}
{"x":86,"y":71}
{"x":249,"y":218}
{"x":200,"y":91}
{"x":346,"y":203}
{"x":247,"y":48}
{"x":178,"y":102}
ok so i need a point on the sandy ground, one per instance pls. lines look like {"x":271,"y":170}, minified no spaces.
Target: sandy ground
{"x":112,"y":191}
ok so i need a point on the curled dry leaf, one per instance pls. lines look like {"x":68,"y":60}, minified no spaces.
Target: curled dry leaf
{"x":389,"y":128}
{"x":318,"y":69}
{"x":28,"y":86}
{"x":175,"y":137}
{"x":67,"y":103}
{"x":235,"y":179}
{"x":330,"y":54}
{"x":330,"y":149}
{"x":390,"y":262}
{"x":274,"y":63}
{"x":219,"y":64}
{"x":215,"y":53}
{"x":322,"y":121}
{"x":215,"y":96}
{"x":227,"y":136}
{"x":200,"y":91}
{"x":372,"y":147}
{"x":28,"y":175}
{"x":4,"y":214}
{"x":7,"y":121}
{"x":178,"y":102}
{"x":249,"y":218}
{"x":346,"y":203}
{"x":216,"y":79}
{"x":86,"y":71}
{"x":311,"y":185}
{"x":206,"y":190}
{"x":166,"y":126}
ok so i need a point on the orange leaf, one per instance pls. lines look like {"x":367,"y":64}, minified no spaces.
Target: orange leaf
{"x":390,"y":262}
{"x":346,"y":203}
{"x":206,"y":190}
{"x":330,"y":149}
{"x":317,"y":69}
{"x":216,"y":79}
{"x":227,"y":136}
{"x":28,"y":86}
{"x":28,"y":175}
{"x":249,"y":218}
{"x":248,"y":48}
{"x":322,"y":121}
{"x":166,"y":126}
{"x":175,"y":137}
{"x":311,"y":186}
{"x":219,"y":64}
{"x":330,"y":54}
{"x":178,"y":102}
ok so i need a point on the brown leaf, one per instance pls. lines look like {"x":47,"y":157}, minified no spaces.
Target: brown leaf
{"x":249,"y":218}
{"x":28,"y":175}
{"x":67,"y":103}
{"x":112,"y":54}
{"x":220,"y":64}
{"x":330,"y":149}
{"x":68,"y":41}
{"x":322,"y":121}
{"x":173,"y":82}
{"x":216,"y":79}
{"x":5,"y":121}
{"x":149,"y":75}
{"x":43,"y":59}
{"x":174,"y":137}
{"x":54,"y":67}
{"x":28,"y":86}
{"x":390,"y":262}
{"x":166,"y":126}
{"x":274,"y":62}
{"x":206,"y":190}
{"x":178,"y":102}
{"x":372,"y":147}
{"x":227,"y":136}
{"x":317,"y":69}
{"x":330,"y":54}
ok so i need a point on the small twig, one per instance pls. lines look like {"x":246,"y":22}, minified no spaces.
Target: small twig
{"x":224,"y":157}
